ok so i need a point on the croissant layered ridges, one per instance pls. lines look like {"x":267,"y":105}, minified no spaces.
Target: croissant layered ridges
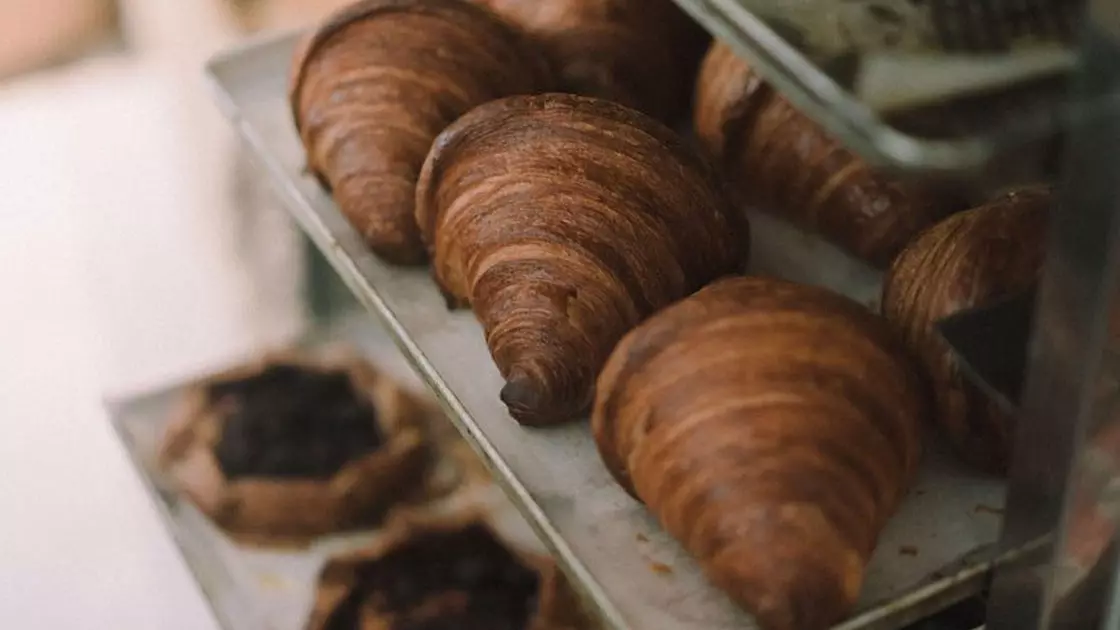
{"x":969,"y":260}
{"x":564,"y":221}
{"x":378,"y":81}
{"x":640,"y":53}
{"x":773,"y":428}
{"x":785,"y":163}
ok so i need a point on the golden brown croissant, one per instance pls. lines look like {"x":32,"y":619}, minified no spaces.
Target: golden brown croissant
{"x":375,"y":84}
{"x":968,"y":260}
{"x":641,"y":53}
{"x":564,"y":221}
{"x":772,"y":428}
{"x":783,"y":162}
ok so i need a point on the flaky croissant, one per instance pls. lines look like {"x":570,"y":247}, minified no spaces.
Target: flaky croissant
{"x":772,"y":428}
{"x":564,"y":221}
{"x":783,"y":162}
{"x":377,"y":81}
{"x":641,"y":53}
{"x":969,"y":260}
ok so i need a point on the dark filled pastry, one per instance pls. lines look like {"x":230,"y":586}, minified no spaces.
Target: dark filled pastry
{"x":564,"y":221}
{"x":773,"y":428}
{"x":377,"y":81}
{"x":971,"y":259}
{"x":293,"y":447}
{"x":455,"y":573}
{"x":782,"y":162}
{"x":641,"y":53}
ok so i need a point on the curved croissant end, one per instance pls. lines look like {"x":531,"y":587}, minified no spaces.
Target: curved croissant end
{"x":376,"y":82}
{"x":971,"y":259}
{"x":641,"y":53}
{"x":564,"y":221}
{"x":783,"y":162}
{"x":773,"y":428}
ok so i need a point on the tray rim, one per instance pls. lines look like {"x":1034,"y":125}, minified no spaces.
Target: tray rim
{"x":114,"y":407}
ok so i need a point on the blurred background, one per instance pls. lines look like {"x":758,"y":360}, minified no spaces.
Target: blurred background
{"x":137,"y":248}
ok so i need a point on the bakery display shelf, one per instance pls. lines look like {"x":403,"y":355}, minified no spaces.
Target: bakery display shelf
{"x":872,"y":73}
{"x":267,"y":589}
{"x":935,"y":551}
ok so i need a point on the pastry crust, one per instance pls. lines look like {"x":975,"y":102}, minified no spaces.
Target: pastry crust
{"x":558,"y":608}
{"x":969,"y":260}
{"x":641,"y":53}
{"x":371,"y":88}
{"x":782,"y":162}
{"x":773,"y":429}
{"x":563,"y":221}
{"x":292,"y":512}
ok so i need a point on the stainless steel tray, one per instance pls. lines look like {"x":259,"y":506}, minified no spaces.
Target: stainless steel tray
{"x":631,"y":572}
{"x":261,"y":589}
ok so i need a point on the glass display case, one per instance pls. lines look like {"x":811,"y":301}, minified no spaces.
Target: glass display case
{"x":1034,"y":552}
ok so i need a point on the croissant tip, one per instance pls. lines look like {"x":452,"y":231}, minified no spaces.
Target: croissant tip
{"x":520,"y":392}
{"x":527,"y":403}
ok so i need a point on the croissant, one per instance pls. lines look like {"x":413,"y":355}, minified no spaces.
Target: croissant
{"x":564,"y":221}
{"x":377,"y":81}
{"x":772,"y":428}
{"x":641,"y":53}
{"x":968,"y":260}
{"x":783,"y":162}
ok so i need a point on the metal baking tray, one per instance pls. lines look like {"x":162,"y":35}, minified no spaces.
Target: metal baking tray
{"x":905,"y":107}
{"x":252,"y":588}
{"x":937,"y":549}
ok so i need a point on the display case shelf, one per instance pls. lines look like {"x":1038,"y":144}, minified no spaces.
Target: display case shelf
{"x":937,"y":549}
{"x":875,"y":74}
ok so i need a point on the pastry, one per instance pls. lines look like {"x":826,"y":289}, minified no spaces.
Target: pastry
{"x":782,"y":162}
{"x":773,"y":429}
{"x":450,"y":573}
{"x":295,"y":447}
{"x":969,"y":260}
{"x":564,"y":221}
{"x":377,"y":81}
{"x":641,"y":53}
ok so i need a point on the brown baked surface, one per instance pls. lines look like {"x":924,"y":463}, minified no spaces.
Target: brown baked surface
{"x":782,"y":162}
{"x":564,"y":221}
{"x":969,"y":260}
{"x":772,"y":428}
{"x":444,"y":573}
{"x":294,"y":500}
{"x":641,"y":53}
{"x":377,"y":81}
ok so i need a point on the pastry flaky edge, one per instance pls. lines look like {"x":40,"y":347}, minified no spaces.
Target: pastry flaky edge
{"x":969,"y":260}
{"x":293,"y":512}
{"x":367,"y":108}
{"x":558,"y":607}
{"x":773,"y":428}
{"x":784,"y":163}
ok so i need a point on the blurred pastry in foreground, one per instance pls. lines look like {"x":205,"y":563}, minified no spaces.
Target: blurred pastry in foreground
{"x":295,"y":447}
{"x":784,"y":163}
{"x":773,"y":428}
{"x":969,"y":260}
{"x":445,"y":573}
{"x":377,"y":81}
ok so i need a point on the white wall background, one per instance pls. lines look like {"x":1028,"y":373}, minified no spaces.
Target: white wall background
{"x":121,"y":267}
